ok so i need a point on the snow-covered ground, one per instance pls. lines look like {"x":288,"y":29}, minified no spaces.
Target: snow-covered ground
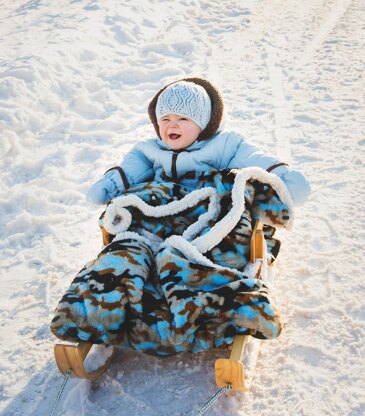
{"x":75,"y":81}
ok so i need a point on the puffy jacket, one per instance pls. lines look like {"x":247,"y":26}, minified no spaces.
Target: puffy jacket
{"x":153,"y":159}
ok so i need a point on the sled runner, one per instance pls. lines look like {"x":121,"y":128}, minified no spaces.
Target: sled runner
{"x":227,"y":370}
{"x":181,"y":271}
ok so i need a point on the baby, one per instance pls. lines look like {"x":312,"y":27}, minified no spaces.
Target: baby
{"x":187,"y":115}
{"x":173,"y":277}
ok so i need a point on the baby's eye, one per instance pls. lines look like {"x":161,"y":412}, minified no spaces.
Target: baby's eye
{"x":183,"y":118}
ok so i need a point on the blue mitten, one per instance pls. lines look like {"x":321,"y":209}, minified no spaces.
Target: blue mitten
{"x":106,"y":188}
{"x":297,"y":183}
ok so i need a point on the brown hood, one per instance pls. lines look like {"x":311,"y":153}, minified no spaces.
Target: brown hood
{"x":215,"y":98}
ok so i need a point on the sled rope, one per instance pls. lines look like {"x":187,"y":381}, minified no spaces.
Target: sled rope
{"x":213,"y":399}
{"x":60,"y":392}
{"x":200,"y":412}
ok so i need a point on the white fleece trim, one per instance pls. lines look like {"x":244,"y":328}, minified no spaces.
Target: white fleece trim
{"x":215,"y":235}
{"x":211,"y":214}
{"x":118,"y":219}
{"x":190,"y":251}
{"x":133,"y":236}
{"x":252,"y":269}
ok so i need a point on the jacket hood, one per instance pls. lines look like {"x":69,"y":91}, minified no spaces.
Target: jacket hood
{"x":216,"y":101}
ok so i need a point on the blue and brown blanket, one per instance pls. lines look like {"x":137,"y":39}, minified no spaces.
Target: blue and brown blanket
{"x":175,"y":274}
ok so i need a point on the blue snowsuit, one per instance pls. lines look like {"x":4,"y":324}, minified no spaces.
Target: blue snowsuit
{"x":153,"y":159}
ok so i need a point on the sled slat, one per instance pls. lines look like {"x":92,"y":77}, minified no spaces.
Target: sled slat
{"x":238,"y":347}
{"x":231,"y":370}
{"x":73,"y":357}
{"x":257,"y":242}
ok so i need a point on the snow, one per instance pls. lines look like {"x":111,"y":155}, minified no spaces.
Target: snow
{"x":97,"y":357}
{"x":75,"y":81}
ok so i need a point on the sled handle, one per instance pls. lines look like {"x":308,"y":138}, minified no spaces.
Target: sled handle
{"x":231,"y":370}
{"x":72,"y":357}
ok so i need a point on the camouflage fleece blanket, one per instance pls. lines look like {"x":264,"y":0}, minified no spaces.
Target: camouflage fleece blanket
{"x":175,"y":275}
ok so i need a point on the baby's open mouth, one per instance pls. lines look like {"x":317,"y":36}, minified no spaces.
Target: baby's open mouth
{"x":174,"y":136}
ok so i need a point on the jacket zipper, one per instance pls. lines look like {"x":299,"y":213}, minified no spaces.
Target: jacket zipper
{"x":173,"y":165}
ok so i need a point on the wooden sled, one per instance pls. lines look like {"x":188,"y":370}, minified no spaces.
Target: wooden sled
{"x":227,"y":370}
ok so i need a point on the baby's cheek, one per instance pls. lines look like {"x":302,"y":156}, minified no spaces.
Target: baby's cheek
{"x":162,"y":132}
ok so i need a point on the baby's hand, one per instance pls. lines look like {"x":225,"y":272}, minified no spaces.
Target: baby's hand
{"x":106,"y":188}
{"x":297,"y":183}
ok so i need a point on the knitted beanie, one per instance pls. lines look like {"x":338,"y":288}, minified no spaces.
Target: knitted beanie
{"x":185,"y":99}
{"x":216,"y":105}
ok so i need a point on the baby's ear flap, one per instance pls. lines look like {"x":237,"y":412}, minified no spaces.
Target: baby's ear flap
{"x":152,"y":110}
{"x":215,"y":98}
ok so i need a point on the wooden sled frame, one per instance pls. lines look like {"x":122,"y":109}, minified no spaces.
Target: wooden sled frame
{"x":231,"y":370}
{"x":227,"y":370}
{"x":72,"y":357}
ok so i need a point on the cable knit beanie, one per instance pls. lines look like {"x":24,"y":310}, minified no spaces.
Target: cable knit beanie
{"x":185,"y":99}
{"x":196,"y":98}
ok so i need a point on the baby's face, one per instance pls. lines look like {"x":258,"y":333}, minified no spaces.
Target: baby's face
{"x":178,"y":132}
